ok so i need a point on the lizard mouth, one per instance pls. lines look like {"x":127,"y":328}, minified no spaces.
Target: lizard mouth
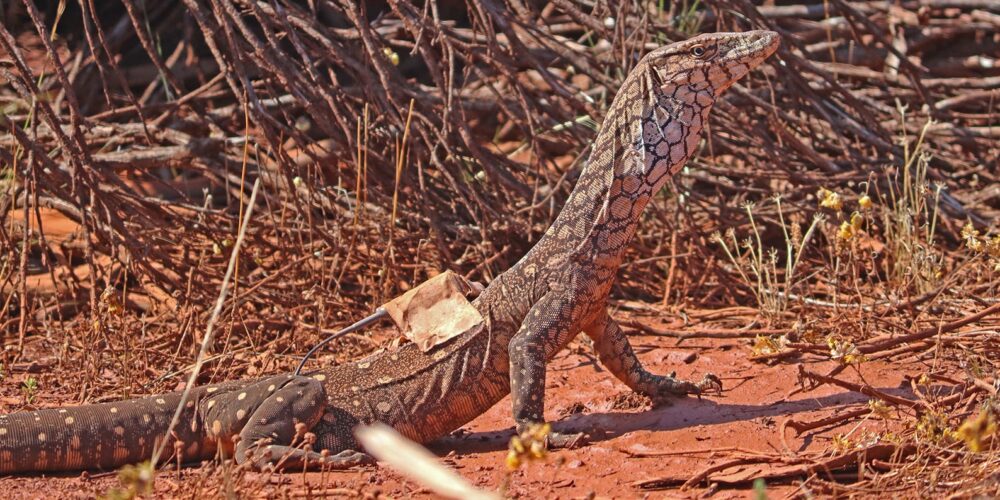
{"x":758,"y":46}
{"x":751,"y":49}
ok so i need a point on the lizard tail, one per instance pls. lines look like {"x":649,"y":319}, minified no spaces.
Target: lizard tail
{"x":97,"y":436}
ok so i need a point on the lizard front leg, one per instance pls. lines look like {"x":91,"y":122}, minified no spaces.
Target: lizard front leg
{"x":547,"y":327}
{"x":615,"y":353}
{"x":275,"y":424}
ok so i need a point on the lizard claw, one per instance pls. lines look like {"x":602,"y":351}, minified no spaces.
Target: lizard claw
{"x":350,"y":458}
{"x":671,"y":386}
{"x":533,"y":434}
{"x":709,"y":381}
{"x":556,"y":440}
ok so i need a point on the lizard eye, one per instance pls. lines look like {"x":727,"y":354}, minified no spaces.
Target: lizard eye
{"x":698,"y":51}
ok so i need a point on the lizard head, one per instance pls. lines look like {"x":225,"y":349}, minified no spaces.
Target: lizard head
{"x":711,"y":62}
{"x":667,"y":98}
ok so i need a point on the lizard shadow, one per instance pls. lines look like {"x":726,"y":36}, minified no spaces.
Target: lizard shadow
{"x":682,"y":413}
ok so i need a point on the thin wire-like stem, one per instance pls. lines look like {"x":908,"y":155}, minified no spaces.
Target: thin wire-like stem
{"x":206,"y":342}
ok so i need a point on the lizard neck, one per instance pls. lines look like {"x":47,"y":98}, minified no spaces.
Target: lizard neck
{"x":508,"y":298}
{"x":585,"y":212}
{"x":650,"y":130}
{"x":637,"y":149}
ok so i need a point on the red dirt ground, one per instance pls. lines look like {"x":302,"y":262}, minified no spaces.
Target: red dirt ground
{"x":583,"y":396}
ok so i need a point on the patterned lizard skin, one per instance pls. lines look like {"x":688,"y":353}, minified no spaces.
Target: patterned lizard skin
{"x":558,"y":289}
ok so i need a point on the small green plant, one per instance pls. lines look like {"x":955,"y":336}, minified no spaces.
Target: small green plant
{"x":986,"y":246}
{"x":29,"y":388}
{"x":909,"y":218}
{"x":766,"y":345}
{"x":844,"y":351}
{"x":688,"y":20}
{"x":760,"y":489}
{"x":6,"y":177}
{"x":758,"y":266}
{"x":136,"y":481}
{"x":879,"y":409}
{"x":933,"y":427}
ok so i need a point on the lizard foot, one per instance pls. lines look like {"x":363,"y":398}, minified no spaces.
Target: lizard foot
{"x":710,"y":381}
{"x":670,"y":386}
{"x":565,"y":440}
{"x":349,"y":458}
{"x":533,"y":433}
{"x":286,"y":457}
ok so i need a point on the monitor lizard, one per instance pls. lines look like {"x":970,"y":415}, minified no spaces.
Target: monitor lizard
{"x":532,"y":311}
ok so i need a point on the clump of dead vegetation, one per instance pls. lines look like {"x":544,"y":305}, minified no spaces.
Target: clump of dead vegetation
{"x":849,"y":183}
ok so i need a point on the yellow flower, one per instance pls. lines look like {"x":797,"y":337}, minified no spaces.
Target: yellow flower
{"x":969,"y":231}
{"x":516,"y":445}
{"x":109,"y":299}
{"x":528,"y":445}
{"x":540,"y":432}
{"x":513,"y":460}
{"x":854,"y":359}
{"x":842,"y":442}
{"x":879,"y":408}
{"x":845,"y":351}
{"x":975,"y":430}
{"x":537,"y":449}
{"x":856,"y":221}
{"x":845,"y":232}
{"x":993,"y":246}
{"x":865,"y":202}
{"x":829,"y":199}
{"x":391,"y":55}
{"x":764,"y":345}
{"x":971,"y":237}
